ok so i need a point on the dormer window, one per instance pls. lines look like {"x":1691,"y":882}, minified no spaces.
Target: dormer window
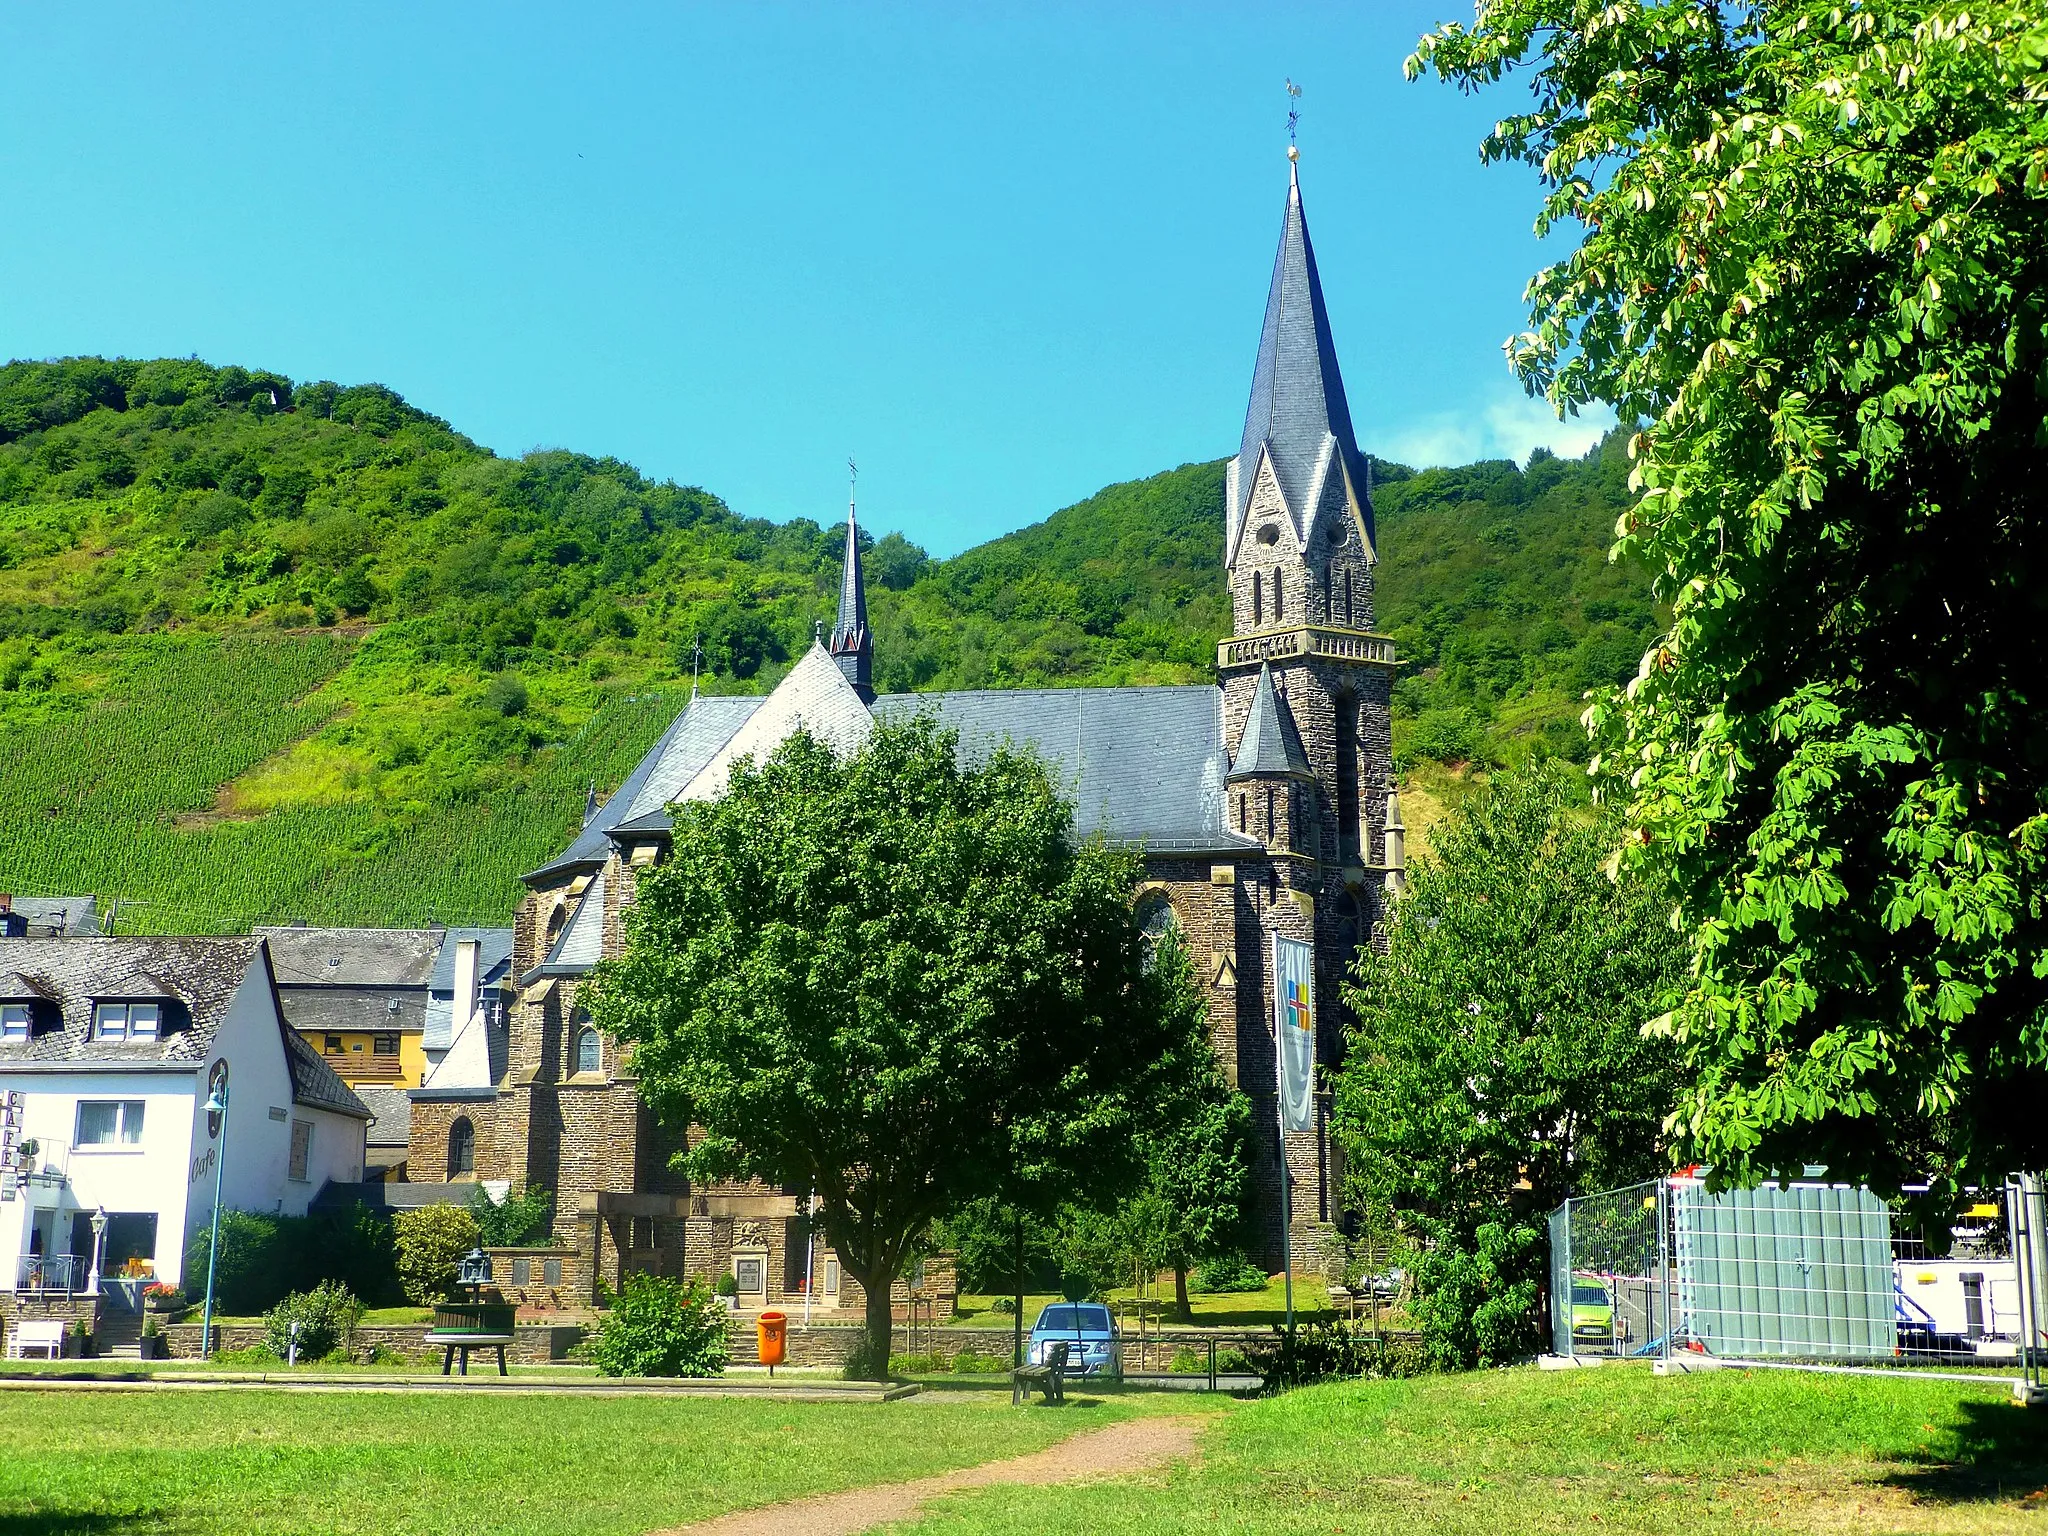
{"x":14,"y":1021}
{"x":127,"y":1021}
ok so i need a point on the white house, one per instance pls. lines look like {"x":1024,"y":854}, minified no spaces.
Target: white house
{"x":109,"y":1048}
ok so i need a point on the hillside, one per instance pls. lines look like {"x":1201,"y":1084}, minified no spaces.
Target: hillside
{"x":272,"y":649}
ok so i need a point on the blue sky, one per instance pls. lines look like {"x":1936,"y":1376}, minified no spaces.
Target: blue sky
{"x":1005,"y":255}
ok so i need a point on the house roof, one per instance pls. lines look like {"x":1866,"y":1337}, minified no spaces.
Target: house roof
{"x":201,"y":976}
{"x":390,"y":1114}
{"x":494,"y":954}
{"x":351,"y":957}
{"x":1298,"y":412}
{"x":1268,"y":746}
{"x":373,"y":1009}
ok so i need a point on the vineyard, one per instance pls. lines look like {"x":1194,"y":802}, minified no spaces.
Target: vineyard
{"x":115,"y":798}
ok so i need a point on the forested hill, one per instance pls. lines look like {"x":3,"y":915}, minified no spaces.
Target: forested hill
{"x":272,"y":649}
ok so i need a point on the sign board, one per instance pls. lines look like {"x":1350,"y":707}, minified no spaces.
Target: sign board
{"x":1294,"y":1030}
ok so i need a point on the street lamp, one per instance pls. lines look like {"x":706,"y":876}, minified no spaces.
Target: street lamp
{"x":216,"y":1106}
{"x":99,"y":1239}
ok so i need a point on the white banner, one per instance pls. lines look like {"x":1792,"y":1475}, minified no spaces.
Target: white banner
{"x":1294,"y":1029}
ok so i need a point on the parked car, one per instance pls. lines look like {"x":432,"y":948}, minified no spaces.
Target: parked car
{"x":1088,"y":1331}
{"x":1592,"y":1312}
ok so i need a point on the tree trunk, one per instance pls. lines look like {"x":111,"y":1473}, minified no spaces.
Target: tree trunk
{"x":1017,"y":1324}
{"x":881,"y":1328}
{"x":1180,"y":1293}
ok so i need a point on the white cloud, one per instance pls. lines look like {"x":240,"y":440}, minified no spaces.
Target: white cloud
{"x":1505,"y":426}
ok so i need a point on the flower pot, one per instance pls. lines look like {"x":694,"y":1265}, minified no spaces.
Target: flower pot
{"x":153,"y":1346}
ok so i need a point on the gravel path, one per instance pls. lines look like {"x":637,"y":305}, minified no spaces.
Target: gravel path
{"x":1132,"y":1446}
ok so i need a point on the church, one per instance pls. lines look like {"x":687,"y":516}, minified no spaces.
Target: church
{"x":1263,"y":805}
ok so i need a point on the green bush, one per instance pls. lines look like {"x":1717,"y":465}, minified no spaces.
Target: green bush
{"x":326,"y":1318}
{"x":523,"y":1217}
{"x":1227,"y":1273}
{"x":1327,"y":1350}
{"x":429,"y":1241}
{"x":1477,"y":1307}
{"x":265,"y":1257}
{"x":662,"y":1327}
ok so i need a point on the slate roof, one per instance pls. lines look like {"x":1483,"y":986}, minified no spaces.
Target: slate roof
{"x":580,"y":944}
{"x":1268,"y":746}
{"x":200,"y":974}
{"x":390,"y":1114}
{"x":1297,"y":405}
{"x":52,"y":917}
{"x":1141,"y":764}
{"x":493,"y":956}
{"x":354,"y":957}
{"x":704,"y":726}
{"x":315,"y":1084}
{"x":375,"y":1009}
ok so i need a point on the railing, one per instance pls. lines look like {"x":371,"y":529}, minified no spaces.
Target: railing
{"x":354,"y":1066}
{"x":1307,"y":640}
{"x":38,"y":1272}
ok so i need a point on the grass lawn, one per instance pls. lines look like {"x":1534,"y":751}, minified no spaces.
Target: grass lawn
{"x":1574,"y":1453}
{"x":266,"y":1462}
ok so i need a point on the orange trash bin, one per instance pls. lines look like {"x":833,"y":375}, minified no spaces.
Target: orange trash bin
{"x":771,"y":1336}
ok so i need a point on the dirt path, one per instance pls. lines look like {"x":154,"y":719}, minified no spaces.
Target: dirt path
{"x":1132,"y":1446}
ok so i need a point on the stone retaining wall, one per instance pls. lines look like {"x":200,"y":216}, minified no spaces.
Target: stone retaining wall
{"x":531,"y":1344}
{"x":46,"y":1307}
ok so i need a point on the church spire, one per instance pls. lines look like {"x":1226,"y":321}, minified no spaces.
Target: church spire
{"x":1298,"y":417}
{"x":852,"y":646}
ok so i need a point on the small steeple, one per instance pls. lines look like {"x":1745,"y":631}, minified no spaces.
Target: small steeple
{"x":852,"y":646}
{"x":1267,"y":746}
{"x":1298,"y":412}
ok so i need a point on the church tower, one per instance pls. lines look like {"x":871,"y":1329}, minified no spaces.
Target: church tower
{"x":1306,"y":696}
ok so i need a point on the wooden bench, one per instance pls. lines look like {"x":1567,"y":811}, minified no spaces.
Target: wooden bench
{"x":46,"y":1338}
{"x":1050,"y":1378}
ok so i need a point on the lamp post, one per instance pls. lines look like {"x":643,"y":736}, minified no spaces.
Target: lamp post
{"x":99,"y":1239}
{"x":216,"y":1104}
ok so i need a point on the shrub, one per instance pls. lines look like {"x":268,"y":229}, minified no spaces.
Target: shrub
{"x":1477,"y":1306}
{"x":1326,"y":1350}
{"x":429,"y":1241}
{"x":265,"y":1257}
{"x":326,"y":1317}
{"x":523,"y":1216}
{"x":1228,"y":1272}
{"x":662,"y":1327}
{"x":728,"y":1285}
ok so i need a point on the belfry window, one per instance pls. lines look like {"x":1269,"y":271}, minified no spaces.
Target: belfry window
{"x":1347,"y":598}
{"x":1258,"y":601}
{"x":1279,"y":601}
{"x":1347,"y":774}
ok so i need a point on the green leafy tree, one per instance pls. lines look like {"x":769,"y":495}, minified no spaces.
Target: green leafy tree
{"x":1498,"y":1060}
{"x":429,"y":1241}
{"x":1813,"y":253}
{"x":525,"y":1215}
{"x":1498,"y":1043}
{"x":898,"y":980}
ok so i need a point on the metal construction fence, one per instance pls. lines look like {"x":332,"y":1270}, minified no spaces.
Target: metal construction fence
{"x":1811,"y":1273}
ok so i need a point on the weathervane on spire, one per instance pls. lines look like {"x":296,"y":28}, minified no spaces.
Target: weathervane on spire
{"x":696,"y":661}
{"x":852,"y":481}
{"x":1293,"y":119}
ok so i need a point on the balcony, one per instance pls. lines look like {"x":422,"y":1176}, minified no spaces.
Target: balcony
{"x":61,"y":1273}
{"x":1307,"y":640}
{"x":363,"y":1067}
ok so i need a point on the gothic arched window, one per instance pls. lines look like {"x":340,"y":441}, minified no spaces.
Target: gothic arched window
{"x":589,"y":1050}
{"x":1279,"y":601}
{"x":1258,"y":601}
{"x":1347,"y":773}
{"x":1347,"y":598}
{"x":461,"y":1147}
{"x":1157,"y":924}
{"x":556,"y":919}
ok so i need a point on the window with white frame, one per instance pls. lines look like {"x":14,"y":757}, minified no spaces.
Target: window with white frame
{"x":109,"y":1122}
{"x":127,"y":1021}
{"x":302,"y":1150}
{"x":14,"y":1021}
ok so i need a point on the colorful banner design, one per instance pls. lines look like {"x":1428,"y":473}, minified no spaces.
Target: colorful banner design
{"x":1294,"y":1008}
